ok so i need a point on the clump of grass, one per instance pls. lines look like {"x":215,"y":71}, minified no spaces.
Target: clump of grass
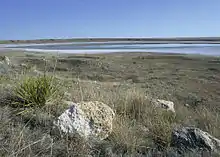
{"x":134,"y":105}
{"x":136,"y":113}
{"x":208,"y":121}
{"x":161,"y":125}
{"x":128,"y":137}
{"x":201,"y":117}
{"x":36,"y":91}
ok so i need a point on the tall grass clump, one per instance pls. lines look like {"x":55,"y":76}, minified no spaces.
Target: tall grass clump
{"x":160,"y":126}
{"x":208,"y":120}
{"x":133,"y":104}
{"x":129,"y":136}
{"x":36,"y":91}
{"x":141,"y":126}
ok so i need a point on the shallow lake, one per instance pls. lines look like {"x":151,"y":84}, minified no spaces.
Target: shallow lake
{"x":107,"y":47}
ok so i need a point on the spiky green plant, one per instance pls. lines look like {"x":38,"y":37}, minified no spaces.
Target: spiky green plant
{"x":36,"y":91}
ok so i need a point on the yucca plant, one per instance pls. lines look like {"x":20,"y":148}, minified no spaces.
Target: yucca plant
{"x":36,"y":91}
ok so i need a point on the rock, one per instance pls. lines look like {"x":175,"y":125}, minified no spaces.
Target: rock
{"x":190,"y":138}
{"x":7,"y":60}
{"x":35,"y":71}
{"x":5,"y":65}
{"x":4,"y":68}
{"x":91,"y":120}
{"x":24,"y":65}
{"x":168,"y":105}
{"x":187,"y":105}
{"x":116,"y":84}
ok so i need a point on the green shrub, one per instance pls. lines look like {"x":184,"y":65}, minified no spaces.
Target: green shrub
{"x":36,"y":91}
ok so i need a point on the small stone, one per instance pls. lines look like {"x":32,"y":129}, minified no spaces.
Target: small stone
{"x":168,"y":105}
{"x":23,"y":65}
{"x":187,"y":105}
{"x":7,"y":60}
{"x":4,"y":68}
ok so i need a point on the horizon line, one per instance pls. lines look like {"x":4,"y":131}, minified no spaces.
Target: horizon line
{"x":73,"y":38}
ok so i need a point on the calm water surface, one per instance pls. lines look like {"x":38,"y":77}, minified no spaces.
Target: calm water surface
{"x":83,"y":47}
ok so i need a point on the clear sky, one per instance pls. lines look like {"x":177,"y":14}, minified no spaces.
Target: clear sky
{"x":31,"y":19}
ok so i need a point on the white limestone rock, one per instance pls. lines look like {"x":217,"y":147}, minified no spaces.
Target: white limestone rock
{"x":168,"y":105}
{"x":91,"y":120}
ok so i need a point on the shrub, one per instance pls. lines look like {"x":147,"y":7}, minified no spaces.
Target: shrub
{"x":36,"y":91}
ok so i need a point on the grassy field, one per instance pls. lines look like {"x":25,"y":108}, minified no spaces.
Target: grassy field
{"x":121,"y":80}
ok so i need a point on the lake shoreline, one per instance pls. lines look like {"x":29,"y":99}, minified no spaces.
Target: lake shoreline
{"x":101,"y":52}
{"x":115,"y":47}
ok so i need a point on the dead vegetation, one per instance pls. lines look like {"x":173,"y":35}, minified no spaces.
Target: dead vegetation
{"x":139,"y":128}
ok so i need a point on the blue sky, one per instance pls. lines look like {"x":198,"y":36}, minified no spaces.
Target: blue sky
{"x":31,"y":19}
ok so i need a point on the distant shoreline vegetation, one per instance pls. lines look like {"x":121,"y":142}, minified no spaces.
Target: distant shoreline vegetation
{"x":179,"y":40}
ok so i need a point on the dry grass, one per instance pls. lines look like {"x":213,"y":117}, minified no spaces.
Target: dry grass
{"x":139,"y":127}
